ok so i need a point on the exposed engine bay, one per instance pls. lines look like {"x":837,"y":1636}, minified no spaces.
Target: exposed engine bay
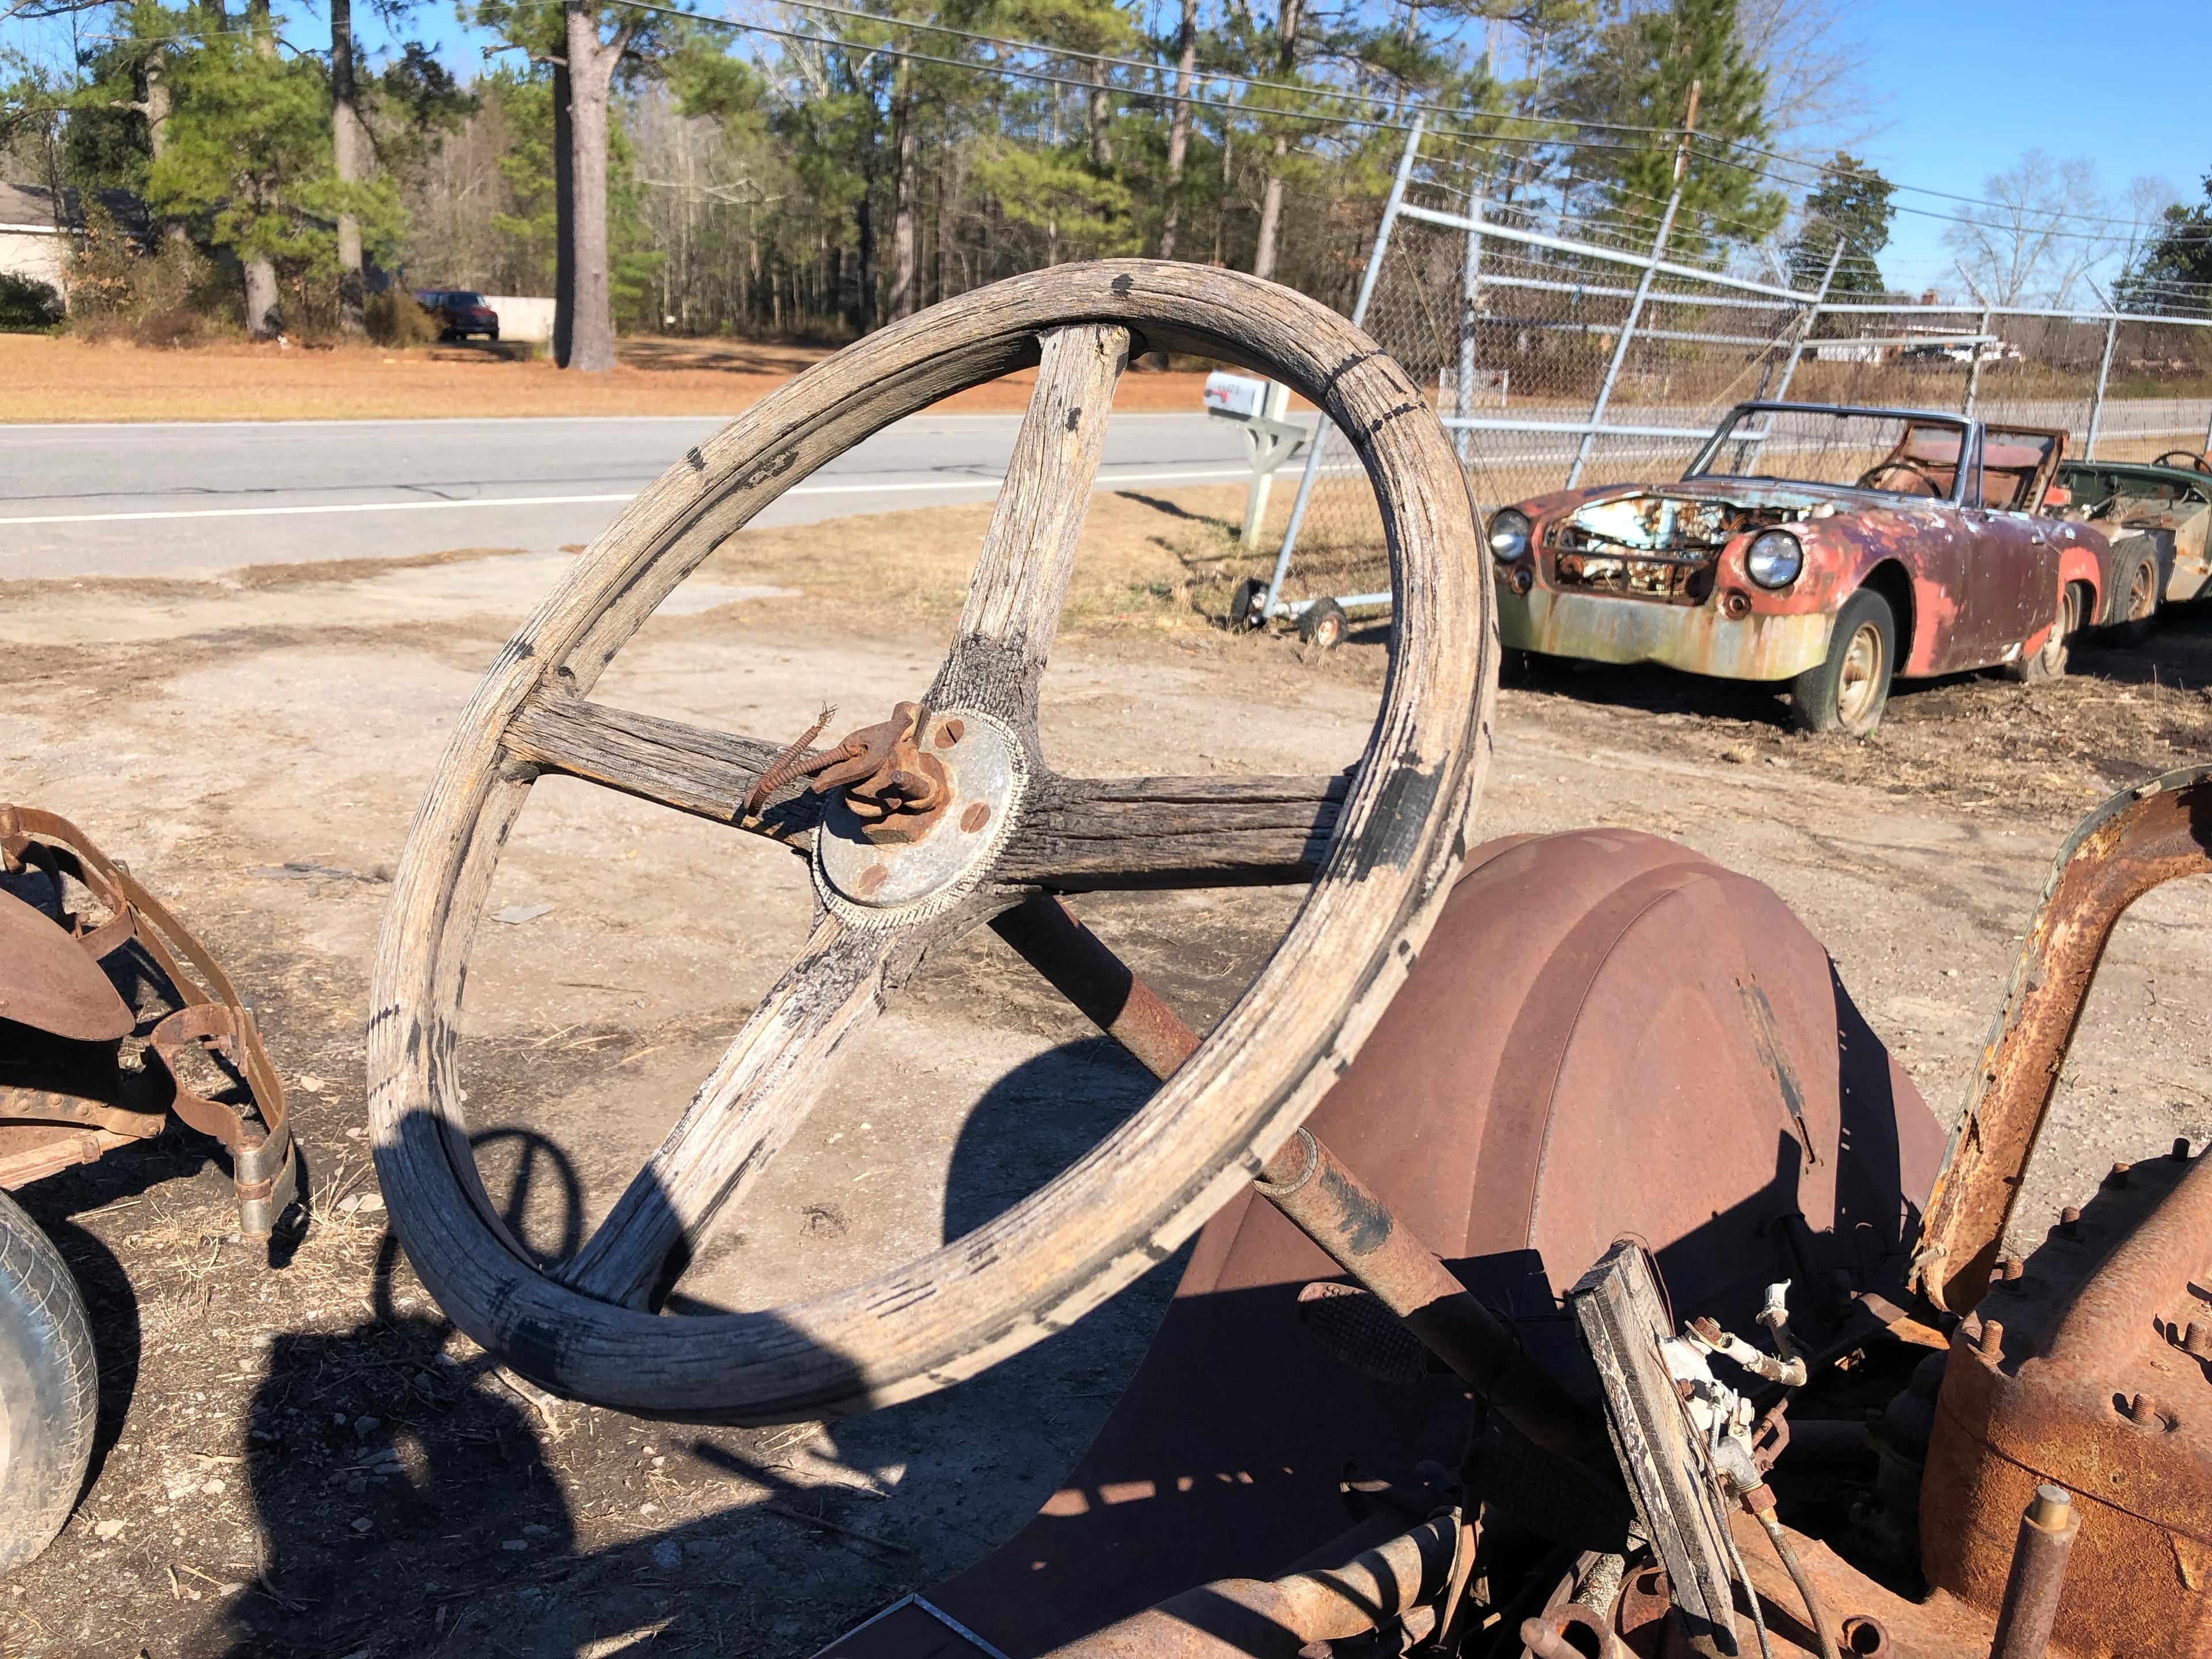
{"x":1662,"y":546}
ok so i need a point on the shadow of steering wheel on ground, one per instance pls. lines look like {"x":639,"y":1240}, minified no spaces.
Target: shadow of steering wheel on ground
{"x":413,"y":1501}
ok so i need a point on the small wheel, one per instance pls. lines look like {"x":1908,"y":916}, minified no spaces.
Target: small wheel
{"x":2049,"y":663}
{"x":49,"y":1390}
{"x":1846,"y":694}
{"x":2186,"y":458}
{"x":2138,"y":588}
{"x":1321,"y":624}
{"x":1244,"y":602}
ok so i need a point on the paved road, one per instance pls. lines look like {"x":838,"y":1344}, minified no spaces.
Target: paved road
{"x":157,"y":499}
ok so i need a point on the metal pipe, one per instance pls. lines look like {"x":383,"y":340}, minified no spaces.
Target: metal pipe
{"x":1355,"y":1228}
{"x":1392,"y":206}
{"x":1805,"y":323}
{"x":1974,"y":371}
{"x":1082,"y":968}
{"x":2097,"y":402}
{"x":1545,"y":1635}
{"x":2047,"y":1529}
{"x":1627,"y":334}
{"x":1595,"y":251}
{"x":1257,"y":1618}
{"x":1470,"y":303}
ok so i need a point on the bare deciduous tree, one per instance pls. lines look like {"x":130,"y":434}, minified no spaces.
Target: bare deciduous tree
{"x":2044,"y":227}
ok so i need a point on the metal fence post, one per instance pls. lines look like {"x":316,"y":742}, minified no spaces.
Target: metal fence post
{"x":1470,"y":301}
{"x":2097,"y":402}
{"x":1323,"y":430}
{"x":1806,"y":321}
{"x":1627,"y":332}
{"x":1974,"y":362}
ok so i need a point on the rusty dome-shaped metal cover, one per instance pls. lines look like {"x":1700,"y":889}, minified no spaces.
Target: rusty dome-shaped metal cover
{"x":48,"y":982}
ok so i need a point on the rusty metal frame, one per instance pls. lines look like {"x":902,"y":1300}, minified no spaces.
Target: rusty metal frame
{"x":213,"y":1019}
{"x":2142,"y":838}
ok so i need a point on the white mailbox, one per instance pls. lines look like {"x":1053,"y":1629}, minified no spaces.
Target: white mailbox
{"x":1237,"y":396}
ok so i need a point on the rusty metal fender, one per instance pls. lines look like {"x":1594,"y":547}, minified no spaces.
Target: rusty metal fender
{"x":50,"y":984}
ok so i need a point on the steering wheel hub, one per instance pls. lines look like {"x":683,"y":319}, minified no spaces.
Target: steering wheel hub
{"x":874,"y":866}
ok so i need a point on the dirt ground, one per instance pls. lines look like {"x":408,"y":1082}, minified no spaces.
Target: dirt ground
{"x":304,"y":1459}
{"x":65,"y":379}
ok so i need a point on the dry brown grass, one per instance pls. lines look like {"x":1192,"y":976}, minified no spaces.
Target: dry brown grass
{"x":73,"y":379}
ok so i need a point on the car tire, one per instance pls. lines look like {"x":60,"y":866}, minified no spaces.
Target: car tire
{"x":2135,"y":580}
{"x":1846,"y":694}
{"x":49,"y":1388}
{"x":2049,"y":663}
{"x":493,"y":337}
{"x":1322,"y":624}
{"x":1244,"y":605}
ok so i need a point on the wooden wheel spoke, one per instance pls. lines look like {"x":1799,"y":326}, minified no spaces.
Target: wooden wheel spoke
{"x":1082,"y":834}
{"x":707,"y":774}
{"x":768,"y":1080}
{"x":1021,"y":578}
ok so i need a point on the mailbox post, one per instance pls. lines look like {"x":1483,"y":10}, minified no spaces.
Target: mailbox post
{"x":1258,"y":406}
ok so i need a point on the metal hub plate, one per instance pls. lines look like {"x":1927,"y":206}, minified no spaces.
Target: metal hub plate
{"x":867,"y":882}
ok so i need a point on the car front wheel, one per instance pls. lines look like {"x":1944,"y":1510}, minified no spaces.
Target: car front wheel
{"x":1846,"y":693}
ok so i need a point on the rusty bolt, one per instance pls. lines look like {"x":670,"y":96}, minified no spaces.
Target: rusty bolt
{"x":2196,"y":1340}
{"x":871,"y":879}
{"x":949,"y":733}
{"x":2181,"y":1145}
{"x":2143,"y":1409}
{"x":2119,"y":1175}
{"x":2070,"y":1222}
{"x":1992,"y":1337}
{"x":2014,"y":1267}
{"x":1865,"y":1637}
{"x":977,"y":815}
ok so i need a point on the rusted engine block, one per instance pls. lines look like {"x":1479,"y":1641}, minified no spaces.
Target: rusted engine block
{"x":2085,"y":1366}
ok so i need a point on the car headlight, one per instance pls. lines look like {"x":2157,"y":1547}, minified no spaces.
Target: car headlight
{"x":1775,"y":559}
{"x":1509,"y":535}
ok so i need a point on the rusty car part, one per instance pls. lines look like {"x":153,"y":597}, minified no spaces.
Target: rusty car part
{"x":2048,"y":1526}
{"x":1234,"y":1618}
{"x":67,"y":1109}
{"x":1314,"y":1188}
{"x":1577,"y":991}
{"x":2157,"y":832}
{"x":1573,"y":1631}
{"x":888,"y":778}
{"x":2168,"y":505}
{"x":2072,"y":1373}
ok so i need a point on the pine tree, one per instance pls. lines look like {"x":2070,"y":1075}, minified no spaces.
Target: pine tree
{"x":1850,"y":205}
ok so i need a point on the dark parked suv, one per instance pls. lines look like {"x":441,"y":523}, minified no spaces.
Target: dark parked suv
{"x":460,"y":312}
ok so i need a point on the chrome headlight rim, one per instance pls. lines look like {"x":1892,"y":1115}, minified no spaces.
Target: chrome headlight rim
{"x":1513,"y":525}
{"x":1783,"y":563}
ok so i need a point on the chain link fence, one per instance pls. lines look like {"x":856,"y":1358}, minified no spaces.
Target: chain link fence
{"x":1604,"y":348}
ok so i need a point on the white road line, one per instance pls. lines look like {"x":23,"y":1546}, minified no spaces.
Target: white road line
{"x":580,"y":500}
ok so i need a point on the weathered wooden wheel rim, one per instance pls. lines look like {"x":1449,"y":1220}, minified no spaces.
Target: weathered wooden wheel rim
{"x":1136,"y":1195}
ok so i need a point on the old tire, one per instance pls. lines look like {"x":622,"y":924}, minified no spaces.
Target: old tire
{"x":2135,"y":584}
{"x":49,"y":1390}
{"x":1322,"y":624}
{"x":1244,"y":605}
{"x":2049,"y":663}
{"x":1847,"y":693}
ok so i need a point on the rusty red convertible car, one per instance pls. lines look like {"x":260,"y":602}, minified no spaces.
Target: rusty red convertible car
{"x":1829,"y":547}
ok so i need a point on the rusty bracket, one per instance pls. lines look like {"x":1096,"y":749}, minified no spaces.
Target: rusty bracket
{"x":213,"y":1016}
{"x":2141,"y":838}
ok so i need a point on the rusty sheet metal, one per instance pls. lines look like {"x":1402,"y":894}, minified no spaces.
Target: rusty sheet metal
{"x":1257,"y":1618}
{"x":1579,"y":992}
{"x":2076,"y":1370}
{"x":2155,"y":833}
{"x":49,"y":983}
{"x":1604,"y":628}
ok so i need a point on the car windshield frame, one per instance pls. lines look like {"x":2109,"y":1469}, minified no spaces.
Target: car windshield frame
{"x":1726,"y":434}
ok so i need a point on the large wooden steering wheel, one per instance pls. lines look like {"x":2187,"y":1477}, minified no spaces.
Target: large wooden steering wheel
{"x":941,"y":817}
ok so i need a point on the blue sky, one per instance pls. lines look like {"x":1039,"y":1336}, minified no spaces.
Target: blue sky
{"x":1965,"y":88}
{"x":1955,"y":92}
